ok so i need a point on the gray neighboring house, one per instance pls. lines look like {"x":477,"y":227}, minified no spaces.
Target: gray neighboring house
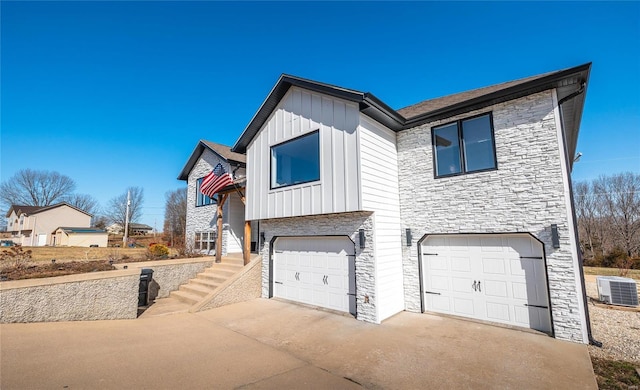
{"x":460,"y":205}
{"x":202,"y":211}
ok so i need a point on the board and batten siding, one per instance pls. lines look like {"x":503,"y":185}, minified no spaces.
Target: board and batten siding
{"x":301,"y":112}
{"x":379,"y":186}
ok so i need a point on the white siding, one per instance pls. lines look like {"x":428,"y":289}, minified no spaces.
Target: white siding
{"x":379,"y":183}
{"x":235,"y":217}
{"x":298,"y":113}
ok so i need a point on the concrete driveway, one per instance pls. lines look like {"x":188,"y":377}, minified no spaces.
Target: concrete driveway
{"x":268,"y":344}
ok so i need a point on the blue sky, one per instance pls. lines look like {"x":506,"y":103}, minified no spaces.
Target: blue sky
{"x":117,"y":94}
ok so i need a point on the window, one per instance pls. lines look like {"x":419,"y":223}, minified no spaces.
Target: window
{"x":205,"y":241}
{"x":464,"y":146}
{"x":296,"y":161}
{"x":201,"y":199}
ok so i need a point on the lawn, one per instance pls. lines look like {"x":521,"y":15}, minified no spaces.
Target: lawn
{"x":633,"y":273}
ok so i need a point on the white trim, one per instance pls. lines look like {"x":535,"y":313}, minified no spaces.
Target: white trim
{"x":570,"y":221}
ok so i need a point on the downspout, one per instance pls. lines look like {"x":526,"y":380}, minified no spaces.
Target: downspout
{"x":585,"y":299}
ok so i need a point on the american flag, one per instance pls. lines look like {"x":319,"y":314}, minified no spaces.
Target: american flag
{"x":216,"y":180}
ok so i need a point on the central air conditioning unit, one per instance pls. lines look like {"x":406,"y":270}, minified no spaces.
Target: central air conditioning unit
{"x":616,"y":290}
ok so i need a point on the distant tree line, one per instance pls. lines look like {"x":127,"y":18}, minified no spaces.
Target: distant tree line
{"x":29,"y":187}
{"x":608,"y":212}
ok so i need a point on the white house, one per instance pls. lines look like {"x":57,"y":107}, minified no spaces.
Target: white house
{"x":459,"y":205}
{"x":202,"y":214}
{"x":34,"y":225}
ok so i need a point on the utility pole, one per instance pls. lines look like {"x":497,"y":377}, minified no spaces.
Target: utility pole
{"x":126,"y":220}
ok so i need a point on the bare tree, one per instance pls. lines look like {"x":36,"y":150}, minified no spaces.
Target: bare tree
{"x":116,"y":209}
{"x":84,"y":202}
{"x":36,"y":188}
{"x":175,"y":216}
{"x":588,"y":218}
{"x":620,"y":196}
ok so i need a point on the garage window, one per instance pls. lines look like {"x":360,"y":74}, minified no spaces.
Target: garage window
{"x":464,"y":146}
{"x":296,"y":161}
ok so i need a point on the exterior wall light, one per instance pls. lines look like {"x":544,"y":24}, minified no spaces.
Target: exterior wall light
{"x":555,"y":238}
{"x":362,"y":238}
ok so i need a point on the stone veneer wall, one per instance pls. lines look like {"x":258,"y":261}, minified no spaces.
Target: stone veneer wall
{"x":525,"y":194}
{"x":107,"y":295}
{"x":203,"y":218}
{"x":347,"y":224}
{"x":168,"y":275}
{"x":243,"y":286}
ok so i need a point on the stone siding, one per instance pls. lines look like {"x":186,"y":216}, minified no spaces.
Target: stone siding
{"x":168,"y":275}
{"x":107,"y":295}
{"x":244,"y":286}
{"x":347,"y":224}
{"x":203,"y":218}
{"x":525,"y":194}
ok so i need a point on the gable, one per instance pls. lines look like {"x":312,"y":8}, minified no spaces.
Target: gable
{"x":223,"y":152}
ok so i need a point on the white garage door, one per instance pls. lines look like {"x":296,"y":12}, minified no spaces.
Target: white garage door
{"x":319,"y":271}
{"x":499,"y":278}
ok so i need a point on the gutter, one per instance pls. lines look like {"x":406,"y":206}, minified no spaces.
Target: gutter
{"x":585,"y":299}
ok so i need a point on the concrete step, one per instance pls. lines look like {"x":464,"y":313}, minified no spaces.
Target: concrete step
{"x":212,"y":277}
{"x":185,"y":297}
{"x":195,"y":289}
{"x":225,"y":273}
{"x":208,"y":283}
{"x":226,"y":266}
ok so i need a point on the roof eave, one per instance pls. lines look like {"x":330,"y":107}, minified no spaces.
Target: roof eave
{"x":511,"y":93}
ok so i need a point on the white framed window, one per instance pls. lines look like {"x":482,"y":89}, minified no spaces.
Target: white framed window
{"x":205,"y":241}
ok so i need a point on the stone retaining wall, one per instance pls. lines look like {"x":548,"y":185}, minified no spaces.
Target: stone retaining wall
{"x":107,"y":295}
{"x":168,"y":275}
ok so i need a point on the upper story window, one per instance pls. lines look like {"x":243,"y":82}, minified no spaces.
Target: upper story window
{"x":296,"y":161}
{"x":464,"y":146}
{"x":201,"y":199}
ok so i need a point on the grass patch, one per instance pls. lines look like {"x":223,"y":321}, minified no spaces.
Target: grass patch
{"x":614,"y":374}
{"x":57,"y":269}
{"x":633,"y":273}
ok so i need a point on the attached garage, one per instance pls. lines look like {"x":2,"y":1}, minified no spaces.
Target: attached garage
{"x":491,"y":277}
{"x":319,"y":271}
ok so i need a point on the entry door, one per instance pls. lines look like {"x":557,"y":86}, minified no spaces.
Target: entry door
{"x":319,"y":271}
{"x":499,"y":278}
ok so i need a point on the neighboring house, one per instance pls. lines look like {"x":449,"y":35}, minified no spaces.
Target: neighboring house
{"x":33,"y":225}
{"x":201,"y":229}
{"x":135,"y":229}
{"x":79,"y":236}
{"x":459,"y":205}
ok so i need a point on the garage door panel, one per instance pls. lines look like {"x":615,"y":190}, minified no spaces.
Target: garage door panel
{"x":509,"y":268}
{"x":460,"y":264}
{"x":494,"y":266}
{"x":463,"y":307}
{"x":461,"y":285}
{"x":495,"y":288}
{"x":498,"y":312}
{"x":440,"y":304}
{"x":439,"y":283}
{"x":315,"y":270}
